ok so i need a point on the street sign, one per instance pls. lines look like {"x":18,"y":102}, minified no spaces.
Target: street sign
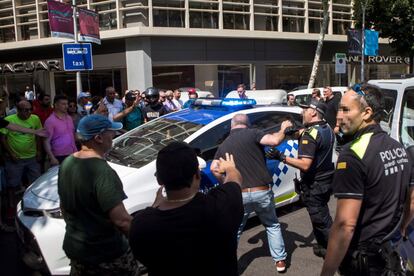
{"x":340,"y":63}
{"x":77,"y":56}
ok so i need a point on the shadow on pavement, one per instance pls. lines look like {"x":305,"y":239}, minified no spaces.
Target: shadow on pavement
{"x":290,"y":239}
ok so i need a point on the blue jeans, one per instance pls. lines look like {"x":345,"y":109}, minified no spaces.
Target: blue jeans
{"x":262,"y":203}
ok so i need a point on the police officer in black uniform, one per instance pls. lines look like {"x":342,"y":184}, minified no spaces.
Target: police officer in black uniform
{"x":154,"y":108}
{"x":371,"y":180}
{"x":315,"y":163}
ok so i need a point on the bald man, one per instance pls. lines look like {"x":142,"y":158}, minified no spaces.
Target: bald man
{"x":246,"y":145}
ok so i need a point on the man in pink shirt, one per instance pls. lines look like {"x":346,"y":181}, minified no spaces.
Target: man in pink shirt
{"x":59,"y":125}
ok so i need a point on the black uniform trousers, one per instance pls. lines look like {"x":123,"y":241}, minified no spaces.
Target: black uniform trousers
{"x":316,"y":196}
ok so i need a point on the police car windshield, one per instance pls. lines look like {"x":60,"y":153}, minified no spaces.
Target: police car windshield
{"x":141,"y":145}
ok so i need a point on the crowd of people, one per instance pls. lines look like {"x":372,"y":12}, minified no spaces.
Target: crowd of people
{"x":25,"y":155}
{"x":174,"y":235}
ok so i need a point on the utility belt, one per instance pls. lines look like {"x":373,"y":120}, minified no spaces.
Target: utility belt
{"x":383,"y":258}
{"x":320,"y":185}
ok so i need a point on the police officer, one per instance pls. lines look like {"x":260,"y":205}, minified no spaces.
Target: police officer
{"x":315,"y":163}
{"x":370,"y":182}
{"x":154,"y":108}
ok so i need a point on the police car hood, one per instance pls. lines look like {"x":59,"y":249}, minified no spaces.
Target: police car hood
{"x":43,"y":193}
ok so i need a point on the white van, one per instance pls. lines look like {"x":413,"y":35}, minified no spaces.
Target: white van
{"x":399,"y":105}
{"x":263,"y":97}
{"x":303,"y":95}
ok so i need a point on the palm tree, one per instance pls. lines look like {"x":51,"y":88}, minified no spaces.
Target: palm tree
{"x":325,"y":21}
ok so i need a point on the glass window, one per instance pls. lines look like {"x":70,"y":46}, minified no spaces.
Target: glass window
{"x":206,"y":20}
{"x":407,"y":118}
{"x":141,"y":145}
{"x":269,"y":122}
{"x":208,"y":142}
{"x":390,"y":97}
{"x":172,"y":77}
{"x":229,"y":76}
{"x":293,"y":24}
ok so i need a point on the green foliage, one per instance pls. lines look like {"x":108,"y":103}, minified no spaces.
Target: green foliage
{"x":393,"y":19}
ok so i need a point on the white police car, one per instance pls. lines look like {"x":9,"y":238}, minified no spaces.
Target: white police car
{"x":204,"y":127}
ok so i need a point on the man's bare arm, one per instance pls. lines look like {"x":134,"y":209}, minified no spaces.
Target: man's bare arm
{"x":408,"y":212}
{"x":302,"y":164}
{"x":120,"y":217}
{"x":276,"y":138}
{"x":340,"y":236}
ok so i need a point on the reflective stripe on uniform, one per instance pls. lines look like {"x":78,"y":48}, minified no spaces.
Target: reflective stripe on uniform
{"x":313,"y":132}
{"x":360,"y":146}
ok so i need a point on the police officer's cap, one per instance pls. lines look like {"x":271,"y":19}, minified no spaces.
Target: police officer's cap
{"x":315,"y":104}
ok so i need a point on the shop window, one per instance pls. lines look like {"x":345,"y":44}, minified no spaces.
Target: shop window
{"x":173,"y":77}
{"x":229,"y":76}
{"x":287,"y":77}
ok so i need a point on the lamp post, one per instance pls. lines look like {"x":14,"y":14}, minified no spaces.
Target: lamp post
{"x":364,"y":6}
{"x":75,"y":30}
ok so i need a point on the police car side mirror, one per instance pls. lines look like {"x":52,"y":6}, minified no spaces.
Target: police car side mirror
{"x":202,"y":164}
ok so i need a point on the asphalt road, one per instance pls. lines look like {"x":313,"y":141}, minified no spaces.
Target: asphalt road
{"x":253,"y":252}
{"x":254,"y":255}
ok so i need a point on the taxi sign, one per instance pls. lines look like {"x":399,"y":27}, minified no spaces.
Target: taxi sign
{"x":77,"y":56}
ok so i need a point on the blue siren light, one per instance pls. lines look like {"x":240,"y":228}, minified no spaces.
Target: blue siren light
{"x":238,"y":102}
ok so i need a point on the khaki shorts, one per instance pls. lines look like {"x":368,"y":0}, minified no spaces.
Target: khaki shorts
{"x":125,"y":265}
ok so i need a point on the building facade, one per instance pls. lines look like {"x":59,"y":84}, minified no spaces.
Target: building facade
{"x":209,"y":44}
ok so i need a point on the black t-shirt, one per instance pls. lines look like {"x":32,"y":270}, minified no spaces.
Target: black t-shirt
{"x":3,"y":123}
{"x":248,"y":153}
{"x":199,"y":238}
{"x":332,"y":106}
{"x":153,"y":112}
{"x":316,"y":143}
{"x":372,"y":168}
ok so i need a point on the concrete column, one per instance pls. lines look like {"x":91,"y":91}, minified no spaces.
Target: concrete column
{"x":138,"y":63}
{"x":259,"y":75}
{"x":206,"y":78}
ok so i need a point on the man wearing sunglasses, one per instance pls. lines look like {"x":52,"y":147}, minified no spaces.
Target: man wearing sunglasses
{"x":21,"y":150}
{"x":371,"y":181}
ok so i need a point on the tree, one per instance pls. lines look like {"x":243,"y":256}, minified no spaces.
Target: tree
{"x":393,"y":20}
{"x":316,"y":60}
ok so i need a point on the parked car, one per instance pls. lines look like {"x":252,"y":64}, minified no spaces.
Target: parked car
{"x":201,"y":94}
{"x":204,"y":126}
{"x":263,"y":97}
{"x":303,"y":95}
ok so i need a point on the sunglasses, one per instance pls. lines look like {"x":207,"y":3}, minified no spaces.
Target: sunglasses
{"x":357,"y":88}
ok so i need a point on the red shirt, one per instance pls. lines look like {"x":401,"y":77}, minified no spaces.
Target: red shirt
{"x":41,"y":112}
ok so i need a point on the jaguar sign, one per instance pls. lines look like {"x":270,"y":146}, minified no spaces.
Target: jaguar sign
{"x":30,"y":66}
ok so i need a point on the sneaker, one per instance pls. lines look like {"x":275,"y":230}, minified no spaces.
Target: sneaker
{"x":319,"y":251}
{"x":281,"y":266}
